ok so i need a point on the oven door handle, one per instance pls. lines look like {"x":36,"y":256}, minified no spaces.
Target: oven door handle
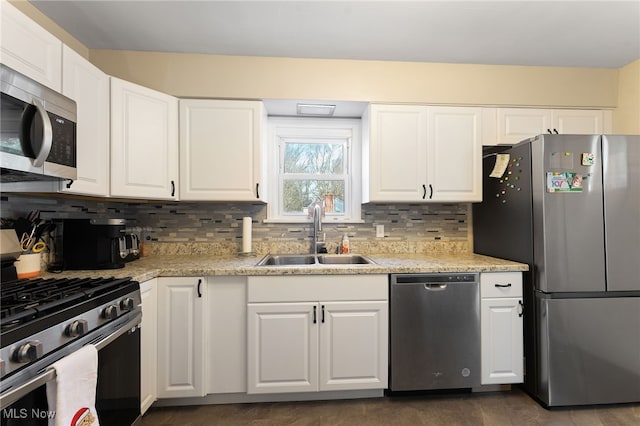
{"x":15,"y":394}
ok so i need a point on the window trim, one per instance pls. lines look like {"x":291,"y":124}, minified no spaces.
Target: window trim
{"x":283,"y":128}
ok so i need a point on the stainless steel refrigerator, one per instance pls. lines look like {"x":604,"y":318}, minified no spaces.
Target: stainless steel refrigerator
{"x":569,"y":206}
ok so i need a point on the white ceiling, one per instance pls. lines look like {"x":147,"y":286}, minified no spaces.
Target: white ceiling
{"x":546,"y":33}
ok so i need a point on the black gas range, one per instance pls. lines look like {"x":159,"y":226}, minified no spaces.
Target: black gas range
{"x":44,"y":320}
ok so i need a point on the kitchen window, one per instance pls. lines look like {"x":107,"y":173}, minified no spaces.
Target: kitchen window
{"x":314,"y":159}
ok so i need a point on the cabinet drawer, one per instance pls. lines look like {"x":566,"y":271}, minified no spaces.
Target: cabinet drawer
{"x":501,"y":284}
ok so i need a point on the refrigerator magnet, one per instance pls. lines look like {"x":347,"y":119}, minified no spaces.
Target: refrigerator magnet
{"x":564,"y":182}
{"x":588,"y":158}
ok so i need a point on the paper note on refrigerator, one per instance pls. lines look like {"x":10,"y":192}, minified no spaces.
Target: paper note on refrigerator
{"x":502,"y":161}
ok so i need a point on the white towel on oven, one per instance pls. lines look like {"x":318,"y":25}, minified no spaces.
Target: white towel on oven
{"x":72,"y":395}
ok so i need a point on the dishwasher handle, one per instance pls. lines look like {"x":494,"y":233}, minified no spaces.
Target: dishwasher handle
{"x":435,"y":287}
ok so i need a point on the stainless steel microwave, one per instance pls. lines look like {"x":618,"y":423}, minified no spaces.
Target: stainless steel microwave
{"x":37,"y":131}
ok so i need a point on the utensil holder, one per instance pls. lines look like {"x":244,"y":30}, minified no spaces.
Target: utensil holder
{"x":28,"y":265}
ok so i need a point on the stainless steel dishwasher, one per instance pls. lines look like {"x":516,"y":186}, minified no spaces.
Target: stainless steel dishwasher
{"x":434,"y":331}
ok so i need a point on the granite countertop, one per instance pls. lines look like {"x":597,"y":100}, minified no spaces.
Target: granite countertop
{"x":173,"y":266}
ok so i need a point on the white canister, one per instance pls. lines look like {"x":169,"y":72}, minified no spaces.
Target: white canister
{"x":28,"y":265}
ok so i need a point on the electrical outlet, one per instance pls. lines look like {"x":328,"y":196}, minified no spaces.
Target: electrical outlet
{"x":380,"y":231}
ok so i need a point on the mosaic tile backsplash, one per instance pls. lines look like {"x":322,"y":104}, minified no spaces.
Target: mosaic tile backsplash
{"x":216,"y":228}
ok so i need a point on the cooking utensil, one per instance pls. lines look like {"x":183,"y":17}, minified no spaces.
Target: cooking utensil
{"x":38,"y":247}
{"x":27,"y":240}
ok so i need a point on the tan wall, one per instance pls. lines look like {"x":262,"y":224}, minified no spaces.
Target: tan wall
{"x":626,"y":118}
{"x":192,"y":75}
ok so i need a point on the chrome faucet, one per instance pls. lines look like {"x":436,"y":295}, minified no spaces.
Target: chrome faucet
{"x":318,"y":245}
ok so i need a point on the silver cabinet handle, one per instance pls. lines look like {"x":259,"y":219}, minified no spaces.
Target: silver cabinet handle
{"x":47,"y":135}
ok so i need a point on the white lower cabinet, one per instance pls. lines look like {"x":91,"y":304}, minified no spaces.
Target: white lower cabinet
{"x":337,"y":340}
{"x":181,"y":337}
{"x":353,"y":345}
{"x":226,"y":352}
{"x":149,"y":344}
{"x":501,"y":316}
{"x":283,"y":347}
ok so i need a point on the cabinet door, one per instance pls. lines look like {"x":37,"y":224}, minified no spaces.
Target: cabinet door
{"x":89,"y":87}
{"x":353,"y":345}
{"x":517,"y":124}
{"x":30,"y":49}
{"x":282,"y":347}
{"x":181,"y":337}
{"x":149,"y":344}
{"x":502,"y":345}
{"x":397,"y":153}
{"x":578,"y":122}
{"x":226,"y":352}
{"x":221,"y":150}
{"x":144,"y":142}
{"x":454,"y":157}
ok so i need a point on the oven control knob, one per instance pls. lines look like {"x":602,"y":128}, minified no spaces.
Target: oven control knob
{"x":110,"y":312}
{"x":28,"y":352}
{"x":77,"y":328}
{"x":126,"y":304}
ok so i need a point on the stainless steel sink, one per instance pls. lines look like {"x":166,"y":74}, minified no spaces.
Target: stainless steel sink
{"x":344,"y":259}
{"x":287,"y":259}
{"x":314,"y":260}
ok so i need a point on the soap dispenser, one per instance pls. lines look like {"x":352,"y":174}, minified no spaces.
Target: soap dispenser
{"x":345,"y":244}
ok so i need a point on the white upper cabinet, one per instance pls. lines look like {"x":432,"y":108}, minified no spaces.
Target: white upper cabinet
{"x":580,"y":122}
{"x":454,"y":157}
{"x":517,"y":124}
{"x":29,"y":49}
{"x":221,"y":150}
{"x":422,"y":153}
{"x":89,"y":87}
{"x":144,"y":142}
{"x":397,"y":153}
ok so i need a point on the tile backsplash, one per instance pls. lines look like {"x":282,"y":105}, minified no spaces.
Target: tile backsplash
{"x":216,"y":228}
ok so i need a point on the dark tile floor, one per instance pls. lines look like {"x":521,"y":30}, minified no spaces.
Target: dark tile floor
{"x":496,"y":408}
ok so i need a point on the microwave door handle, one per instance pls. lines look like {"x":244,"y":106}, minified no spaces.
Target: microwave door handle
{"x":47,"y":135}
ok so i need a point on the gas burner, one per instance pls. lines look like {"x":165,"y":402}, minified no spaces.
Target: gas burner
{"x":25,"y":300}
{"x":42,"y":309}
